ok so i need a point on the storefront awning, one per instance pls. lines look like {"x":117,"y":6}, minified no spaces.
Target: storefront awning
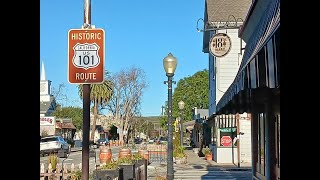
{"x":267,"y":26}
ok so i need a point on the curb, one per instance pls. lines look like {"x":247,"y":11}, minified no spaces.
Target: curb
{"x":76,"y":149}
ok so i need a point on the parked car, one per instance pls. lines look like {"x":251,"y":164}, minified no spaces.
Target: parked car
{"x":151,"y":140}
{"x":52,"y":144}
{"x":163,"y":140}
{"x":102,"y":141}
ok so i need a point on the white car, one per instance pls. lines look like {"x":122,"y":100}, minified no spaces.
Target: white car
{"x":53,"y":144}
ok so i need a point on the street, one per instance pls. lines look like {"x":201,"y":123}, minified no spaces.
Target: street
{"x":76,"y":158}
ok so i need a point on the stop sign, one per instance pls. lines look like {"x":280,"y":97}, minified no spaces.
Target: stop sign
{"x":226,"y":140}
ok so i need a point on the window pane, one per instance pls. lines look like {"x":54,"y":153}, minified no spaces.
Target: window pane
{"x":262,"y":144}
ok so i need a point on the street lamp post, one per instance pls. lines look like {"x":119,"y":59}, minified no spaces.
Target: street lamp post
{"x":181,"y":107}
{"x":170,"y":64}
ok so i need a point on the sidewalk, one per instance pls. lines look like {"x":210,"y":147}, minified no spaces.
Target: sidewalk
{"x":75,"y":149}
{"x":194,"y":162}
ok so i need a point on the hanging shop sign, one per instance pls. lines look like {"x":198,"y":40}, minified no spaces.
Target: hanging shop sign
{"x":220,"y":45}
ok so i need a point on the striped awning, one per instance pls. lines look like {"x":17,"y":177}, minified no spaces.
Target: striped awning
{"x":267,"y":26}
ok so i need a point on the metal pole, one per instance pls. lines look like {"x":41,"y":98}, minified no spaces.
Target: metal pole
{"x":170,"y":175}
{"x":181,"y":130}
{"x":86,"y":105}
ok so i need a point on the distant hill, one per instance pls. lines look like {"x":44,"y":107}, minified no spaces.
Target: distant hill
{"x":152,"y":119}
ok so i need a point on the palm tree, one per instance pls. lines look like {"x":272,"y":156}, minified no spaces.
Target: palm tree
{"x":100,"y":93}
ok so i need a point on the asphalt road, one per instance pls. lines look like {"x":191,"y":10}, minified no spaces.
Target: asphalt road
{"x":76,"y":158}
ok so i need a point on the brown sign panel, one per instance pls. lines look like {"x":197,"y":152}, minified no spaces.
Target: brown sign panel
{"x":86,"y":56}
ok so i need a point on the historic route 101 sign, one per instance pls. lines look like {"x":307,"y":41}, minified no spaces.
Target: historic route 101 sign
{"x":220,"y":45}
{"x":86,"y":56}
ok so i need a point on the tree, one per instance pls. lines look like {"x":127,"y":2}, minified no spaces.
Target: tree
{"x":126,"y":100}
{"x":194,"y":92}
{"x":75,"y":113}
{"x":99,"y":94}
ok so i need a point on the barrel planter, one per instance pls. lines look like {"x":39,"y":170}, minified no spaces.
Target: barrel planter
{"x":146,"y":156}
{"x":105,"y":155}
{"x":208,"y":156}
{"x":125,"y":153}
{"x":141,"y":152}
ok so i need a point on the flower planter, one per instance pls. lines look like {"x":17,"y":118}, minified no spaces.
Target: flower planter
{"x":139,"y":162}
{"x":128,"y":171}
{"x":101,"y":174}
{"x":208,"y":157}
{"x":141,"y":169}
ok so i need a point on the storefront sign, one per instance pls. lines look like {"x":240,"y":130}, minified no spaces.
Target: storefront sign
{"x":47,"y":121}
{"x":228,"y":130}
{"x":220,"y":45}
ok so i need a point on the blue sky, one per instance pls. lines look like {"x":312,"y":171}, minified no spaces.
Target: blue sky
{"x":138,"y":33}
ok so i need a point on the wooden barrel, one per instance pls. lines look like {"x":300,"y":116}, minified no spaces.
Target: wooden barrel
{"x":125,"y":152}
{"x":105,"y":155}
{"x":146,"y":155}
{"x":141,"y":152}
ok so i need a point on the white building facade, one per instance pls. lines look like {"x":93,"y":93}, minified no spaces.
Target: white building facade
{"x":223,"y":19}
{"x":47,"y":106}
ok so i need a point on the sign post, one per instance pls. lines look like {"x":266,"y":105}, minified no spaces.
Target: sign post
{"x":86,"y":66}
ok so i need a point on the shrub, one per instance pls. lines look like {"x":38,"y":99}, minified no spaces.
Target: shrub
{"x":53,"y":159}
{"x":125,"y":160}
{"x":111,"y":165}
{"x":136,"y":156}
{"x":206,"y":150}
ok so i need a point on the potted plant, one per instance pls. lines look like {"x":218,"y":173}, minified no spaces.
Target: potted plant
{"x":207,"y":154}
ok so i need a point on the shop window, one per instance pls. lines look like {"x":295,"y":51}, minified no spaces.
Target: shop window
{"x":260,"y":166}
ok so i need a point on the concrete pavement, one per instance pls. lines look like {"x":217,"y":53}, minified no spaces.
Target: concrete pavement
{"x":199,"y":168}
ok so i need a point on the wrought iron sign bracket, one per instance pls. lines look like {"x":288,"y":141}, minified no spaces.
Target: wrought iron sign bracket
{"x":232,"y":23}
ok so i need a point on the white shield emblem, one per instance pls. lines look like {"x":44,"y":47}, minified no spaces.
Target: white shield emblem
{"x":86,"y":55}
